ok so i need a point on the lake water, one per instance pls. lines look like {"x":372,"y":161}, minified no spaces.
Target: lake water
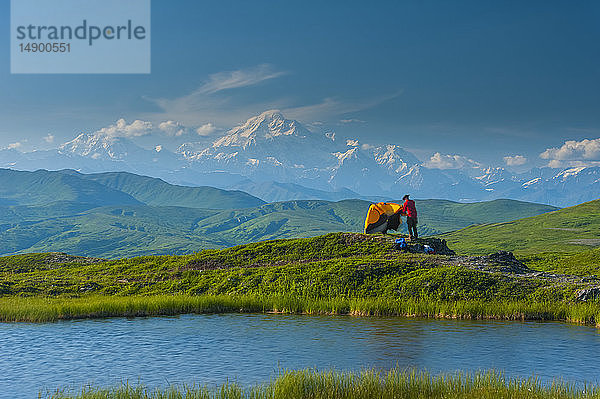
{"x":250,"y":348}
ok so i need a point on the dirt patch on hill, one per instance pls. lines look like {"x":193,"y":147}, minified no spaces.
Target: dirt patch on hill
{"x":60,"y":257}
{"x":593,"y":242}
{"x":499,"y":262}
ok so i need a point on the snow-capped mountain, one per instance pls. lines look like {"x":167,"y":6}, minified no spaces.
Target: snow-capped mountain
{"x":106,"y":150}
{"x":98,"y":146}
{"x":266,"y":147}
{"x":566,"y":187}
{"x":269,"y":147}
{"x":280,"y":156}
{"x":394,"y":158}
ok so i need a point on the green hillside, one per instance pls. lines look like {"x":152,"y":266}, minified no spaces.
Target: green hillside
{"x":568,"y":230}
{"x":126,"y":231}
{"x":336,"y":265}
{"x":336,"y":273}
{"x":112,"y":232}
{"x":438,"y":216}
{"x":153,"y":191}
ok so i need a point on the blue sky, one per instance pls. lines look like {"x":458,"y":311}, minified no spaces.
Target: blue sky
{"x":483,"y":80}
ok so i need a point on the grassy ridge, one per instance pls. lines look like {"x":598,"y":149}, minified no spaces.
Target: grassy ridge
{"x":338,"y":273}
{"x":438,"y":216}
{"x":585,"y":263}
{"x":35,"y":309}
{"x":569,"y":230}
{"x":335,"y":265}
{"x":368,"y":384}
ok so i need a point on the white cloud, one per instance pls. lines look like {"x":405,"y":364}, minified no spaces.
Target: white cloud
{"x":206,"y":130}
{"x":49,"y":138}
{"x":211,"y":100}
{"x":352,"y":143}
{"x":172,"y":128}
{"x":447,"y":161}
{"x":14,"y":146}
{"x":177,"y":129}
{"x":574,"y":153}
{"x":137,"y":128}
{"x":558,"y":164}
{"x":515,"y":160}
{"x":332,"y":106}
{"x":239,"y":78}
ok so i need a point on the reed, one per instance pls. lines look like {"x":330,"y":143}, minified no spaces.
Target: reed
{"x":369,"y":384}
{"x":37,"y":309}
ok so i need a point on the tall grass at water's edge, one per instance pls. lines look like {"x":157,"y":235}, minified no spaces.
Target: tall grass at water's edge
{"x":368,"y":384}
{"x":36,"y":309}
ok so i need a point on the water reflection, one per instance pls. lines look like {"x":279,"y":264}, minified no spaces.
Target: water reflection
{"x":208,"y":349}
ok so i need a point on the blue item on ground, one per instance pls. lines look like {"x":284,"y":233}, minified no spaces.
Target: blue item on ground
{"x":400,"y":243}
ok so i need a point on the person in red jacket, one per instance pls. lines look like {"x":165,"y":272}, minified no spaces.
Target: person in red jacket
{"x":410,"y":211}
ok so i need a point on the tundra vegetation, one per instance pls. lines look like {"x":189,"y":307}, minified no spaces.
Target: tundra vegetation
{"x":368,"y":384}
{"x":337,"y":273}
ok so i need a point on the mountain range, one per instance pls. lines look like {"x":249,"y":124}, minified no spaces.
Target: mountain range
{"x":120,"y":214}
{"x":278,"y":159}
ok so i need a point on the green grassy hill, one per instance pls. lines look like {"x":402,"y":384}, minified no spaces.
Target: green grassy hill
{"x":113,"y":232}
{"x":336,"y":273}
{"x":134,"y":230}
{"x":438,"y":216}
{"x":335,"y":265}
{"x":568,"y":230}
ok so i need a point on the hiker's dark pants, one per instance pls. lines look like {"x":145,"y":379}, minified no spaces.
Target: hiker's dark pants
{"x":411,"y":223}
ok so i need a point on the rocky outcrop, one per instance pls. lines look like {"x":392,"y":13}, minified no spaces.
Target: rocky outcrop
{"x":417,"y":246}
{"x":506,"y":262}
{"x":588,"y":294}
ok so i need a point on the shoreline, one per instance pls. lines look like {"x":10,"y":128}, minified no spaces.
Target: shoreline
{"x":368,"y":384}
{"x":40,"y":310}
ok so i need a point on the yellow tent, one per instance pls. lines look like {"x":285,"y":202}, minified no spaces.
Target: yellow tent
{"x":383,"y":216}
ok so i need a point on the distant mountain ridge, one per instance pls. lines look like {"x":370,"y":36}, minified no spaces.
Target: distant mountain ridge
{"x":117,"y":188}
{"x":43,"y":187}
{"x":268,"y":152}
{"x":156,"y":192}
